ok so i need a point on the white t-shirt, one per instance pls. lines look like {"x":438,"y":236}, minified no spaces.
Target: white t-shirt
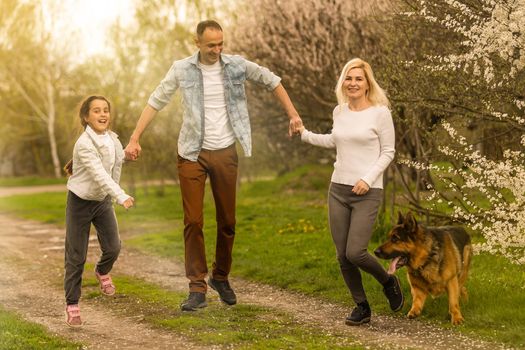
{"x":218,"y":132}
{"x":106,"y":139}
{"x":365,"y":143}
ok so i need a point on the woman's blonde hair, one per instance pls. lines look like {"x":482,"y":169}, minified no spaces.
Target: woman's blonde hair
{"x":375,"y":94}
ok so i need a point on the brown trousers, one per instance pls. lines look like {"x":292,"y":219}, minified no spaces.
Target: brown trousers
{"x":221,"y":167}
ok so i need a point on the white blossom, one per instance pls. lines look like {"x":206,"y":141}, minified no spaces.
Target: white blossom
{"x":500,"y":35}
{"x":492,"y":192}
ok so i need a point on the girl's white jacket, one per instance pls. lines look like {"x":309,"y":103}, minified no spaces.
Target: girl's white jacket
{"x":93,"y":178}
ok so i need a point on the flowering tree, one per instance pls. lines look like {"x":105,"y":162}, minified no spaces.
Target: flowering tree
{"x":307,"y":44}
{"x":487,"y":194}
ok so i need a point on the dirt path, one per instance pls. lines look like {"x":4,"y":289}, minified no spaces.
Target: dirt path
{"x":382,"y":332}
{"x":30,"y":276}
{"x":31,"y":263}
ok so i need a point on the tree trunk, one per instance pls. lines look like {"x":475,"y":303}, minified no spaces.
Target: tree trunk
{"x":51,"y":116}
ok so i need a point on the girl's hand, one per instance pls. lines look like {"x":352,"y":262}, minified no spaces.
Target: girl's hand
{"x":128,"y":203}
{"x":360,"y":188}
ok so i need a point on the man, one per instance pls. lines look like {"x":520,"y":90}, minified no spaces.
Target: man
{"x":215,"y":116}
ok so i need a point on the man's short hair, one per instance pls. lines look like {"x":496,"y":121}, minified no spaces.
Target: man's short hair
{"x":201,"y":27}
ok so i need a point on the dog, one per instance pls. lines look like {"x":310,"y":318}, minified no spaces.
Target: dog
{"x":437,"y":259}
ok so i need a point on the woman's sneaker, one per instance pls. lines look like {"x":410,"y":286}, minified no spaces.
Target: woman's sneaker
{"x":360,"y":314}
{"x":392,"y":290}
{"x":73,"y":316}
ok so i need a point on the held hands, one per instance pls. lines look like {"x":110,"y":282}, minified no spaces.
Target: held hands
{"x":128,"y":203}
{"x":132,"y":150}
{"x":360,"y":188}
{"x":296,"y":126}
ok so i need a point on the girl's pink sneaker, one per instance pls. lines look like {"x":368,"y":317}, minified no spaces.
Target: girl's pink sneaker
{"x":106,"y":284}
{"x":73,"y":316}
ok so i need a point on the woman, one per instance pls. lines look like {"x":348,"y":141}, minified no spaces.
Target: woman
{"x":363,"y":135}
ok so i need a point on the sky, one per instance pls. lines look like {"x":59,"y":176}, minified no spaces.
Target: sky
{"x":89,"y":20}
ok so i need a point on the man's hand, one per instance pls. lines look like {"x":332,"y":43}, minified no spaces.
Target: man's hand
{"x":132,"y":150}
{"x":360,"y":188}
{"x":296,"y":126}
{"x":295,"y":121}
{"x":128,"y":203}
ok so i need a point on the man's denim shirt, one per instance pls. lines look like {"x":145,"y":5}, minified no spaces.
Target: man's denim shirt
{"x":186,"y":75}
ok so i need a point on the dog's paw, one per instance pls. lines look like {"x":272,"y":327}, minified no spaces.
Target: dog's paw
{"x":413,"y":314}
{"x":457,"y":320}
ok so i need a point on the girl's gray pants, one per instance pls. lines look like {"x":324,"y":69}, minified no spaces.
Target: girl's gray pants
{"x":80,"y":213}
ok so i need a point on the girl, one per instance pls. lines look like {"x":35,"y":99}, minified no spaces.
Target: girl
{"x":95,"y":174}
{"x":363,"y":135}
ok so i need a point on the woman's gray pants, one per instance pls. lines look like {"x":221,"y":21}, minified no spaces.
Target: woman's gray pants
{"x":351,"y":220}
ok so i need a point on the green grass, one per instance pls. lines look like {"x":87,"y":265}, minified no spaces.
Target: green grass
{"x":16,"y":333}
{"x":282,"y":239}
{"x":496,"y":300}
{"x":30,"y":181}
{"x":45,"y":207}
{"x":239,"y":327}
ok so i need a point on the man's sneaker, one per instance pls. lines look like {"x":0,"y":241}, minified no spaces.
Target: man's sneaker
{"x":73,"y":316}
{"x":195,"y":301}
{"x":392,"y":290}
{"x":360,"y":314}
{"x":226,"y":292}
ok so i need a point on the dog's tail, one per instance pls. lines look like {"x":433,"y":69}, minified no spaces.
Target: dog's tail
{"x":467,"y":254}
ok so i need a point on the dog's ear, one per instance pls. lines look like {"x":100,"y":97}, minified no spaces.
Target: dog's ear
{"x":410,"y":222}
{"x":400,"y":218}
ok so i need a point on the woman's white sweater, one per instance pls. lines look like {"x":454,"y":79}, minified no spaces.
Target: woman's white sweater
{"x":365,"y":144}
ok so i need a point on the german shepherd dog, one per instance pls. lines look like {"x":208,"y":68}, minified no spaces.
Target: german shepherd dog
{"x":437,"y":259}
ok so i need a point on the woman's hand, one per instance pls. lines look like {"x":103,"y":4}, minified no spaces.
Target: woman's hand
{"x":360,"y":188}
